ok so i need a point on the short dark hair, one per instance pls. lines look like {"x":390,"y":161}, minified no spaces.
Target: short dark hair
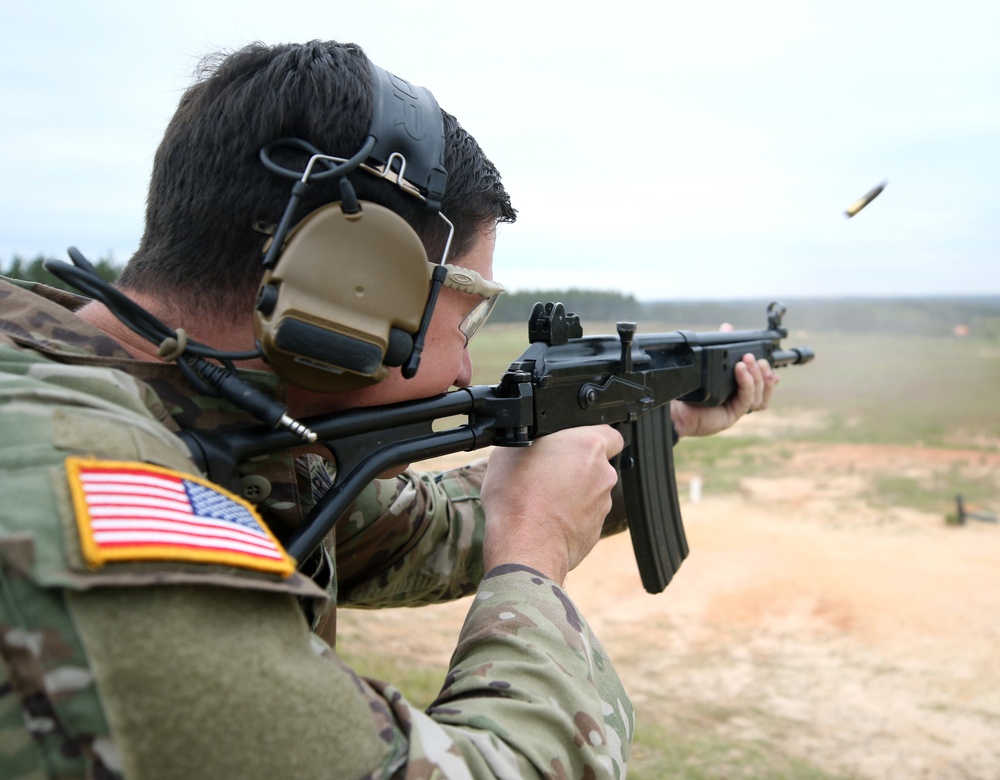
{"x":208,"y":188}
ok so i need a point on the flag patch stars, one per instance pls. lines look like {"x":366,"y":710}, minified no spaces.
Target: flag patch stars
{"x":130,"y":511}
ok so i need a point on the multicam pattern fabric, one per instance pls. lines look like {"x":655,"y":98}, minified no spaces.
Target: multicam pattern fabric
{"x":180,"y":669}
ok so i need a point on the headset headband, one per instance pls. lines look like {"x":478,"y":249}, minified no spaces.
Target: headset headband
{"x":405,"y":139}
{"x":406,"y":121}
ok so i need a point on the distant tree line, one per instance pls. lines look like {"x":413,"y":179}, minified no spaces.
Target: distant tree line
{"x":34,"y":271}
{"x":917,"y":316}
{"x":923,"y":316}
{"x":590,"y":305}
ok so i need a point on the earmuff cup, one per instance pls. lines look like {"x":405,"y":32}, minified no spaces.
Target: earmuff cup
{"x":344,"y":299}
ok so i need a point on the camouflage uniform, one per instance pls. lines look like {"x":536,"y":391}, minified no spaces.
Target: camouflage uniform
{"x":207,"y":668}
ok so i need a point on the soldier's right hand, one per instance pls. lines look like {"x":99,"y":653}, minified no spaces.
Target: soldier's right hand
{"x":545,"y":504}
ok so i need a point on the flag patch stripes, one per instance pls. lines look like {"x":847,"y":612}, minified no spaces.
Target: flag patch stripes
{"x":129,"y":511}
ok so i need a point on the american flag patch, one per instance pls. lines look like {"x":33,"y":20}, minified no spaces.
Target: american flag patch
{"x":130,"y":511}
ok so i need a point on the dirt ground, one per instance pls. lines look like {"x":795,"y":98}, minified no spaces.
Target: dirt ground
{"x":866,"y":640}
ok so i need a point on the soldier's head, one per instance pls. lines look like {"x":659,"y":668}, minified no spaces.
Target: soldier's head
{"x":211,"y":201}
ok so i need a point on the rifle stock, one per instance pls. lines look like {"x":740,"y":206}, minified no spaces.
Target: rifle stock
{"x":563,"y":380}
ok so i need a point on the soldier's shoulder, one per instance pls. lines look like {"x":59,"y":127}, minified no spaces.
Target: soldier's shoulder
{"x":44,"y":318}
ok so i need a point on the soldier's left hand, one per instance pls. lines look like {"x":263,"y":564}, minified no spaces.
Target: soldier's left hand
{"x":755,"y":382}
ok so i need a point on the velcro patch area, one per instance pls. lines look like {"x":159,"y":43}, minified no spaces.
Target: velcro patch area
{"x":130,"y":511}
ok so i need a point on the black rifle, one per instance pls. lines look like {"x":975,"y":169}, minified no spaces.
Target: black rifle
{"x":563,"y":380}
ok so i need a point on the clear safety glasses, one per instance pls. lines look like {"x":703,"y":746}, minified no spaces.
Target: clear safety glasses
{"x":477,"y":317}
{"x":471,"y":282}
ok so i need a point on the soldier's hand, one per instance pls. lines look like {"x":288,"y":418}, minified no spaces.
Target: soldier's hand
{"x":545,"y":504}
{"x":755,"y":382}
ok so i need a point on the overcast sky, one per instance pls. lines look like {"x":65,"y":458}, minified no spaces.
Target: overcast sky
{"x":665,"y":150}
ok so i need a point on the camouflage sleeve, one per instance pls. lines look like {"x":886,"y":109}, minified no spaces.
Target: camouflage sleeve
{"x":161,"y":670}
{"x":532,"y":686}
{"x":416,"y":539}
{"x":190,"y":681}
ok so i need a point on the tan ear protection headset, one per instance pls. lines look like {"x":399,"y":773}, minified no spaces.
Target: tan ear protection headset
{"x":349,"y":291}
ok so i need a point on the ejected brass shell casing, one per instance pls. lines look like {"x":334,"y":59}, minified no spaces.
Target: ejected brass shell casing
{"x":868,"y":197}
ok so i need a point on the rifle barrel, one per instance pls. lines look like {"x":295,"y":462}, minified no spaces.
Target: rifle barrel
{"x":792,"y":357}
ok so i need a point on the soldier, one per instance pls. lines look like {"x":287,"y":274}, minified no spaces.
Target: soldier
{"x":151,"y":623}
